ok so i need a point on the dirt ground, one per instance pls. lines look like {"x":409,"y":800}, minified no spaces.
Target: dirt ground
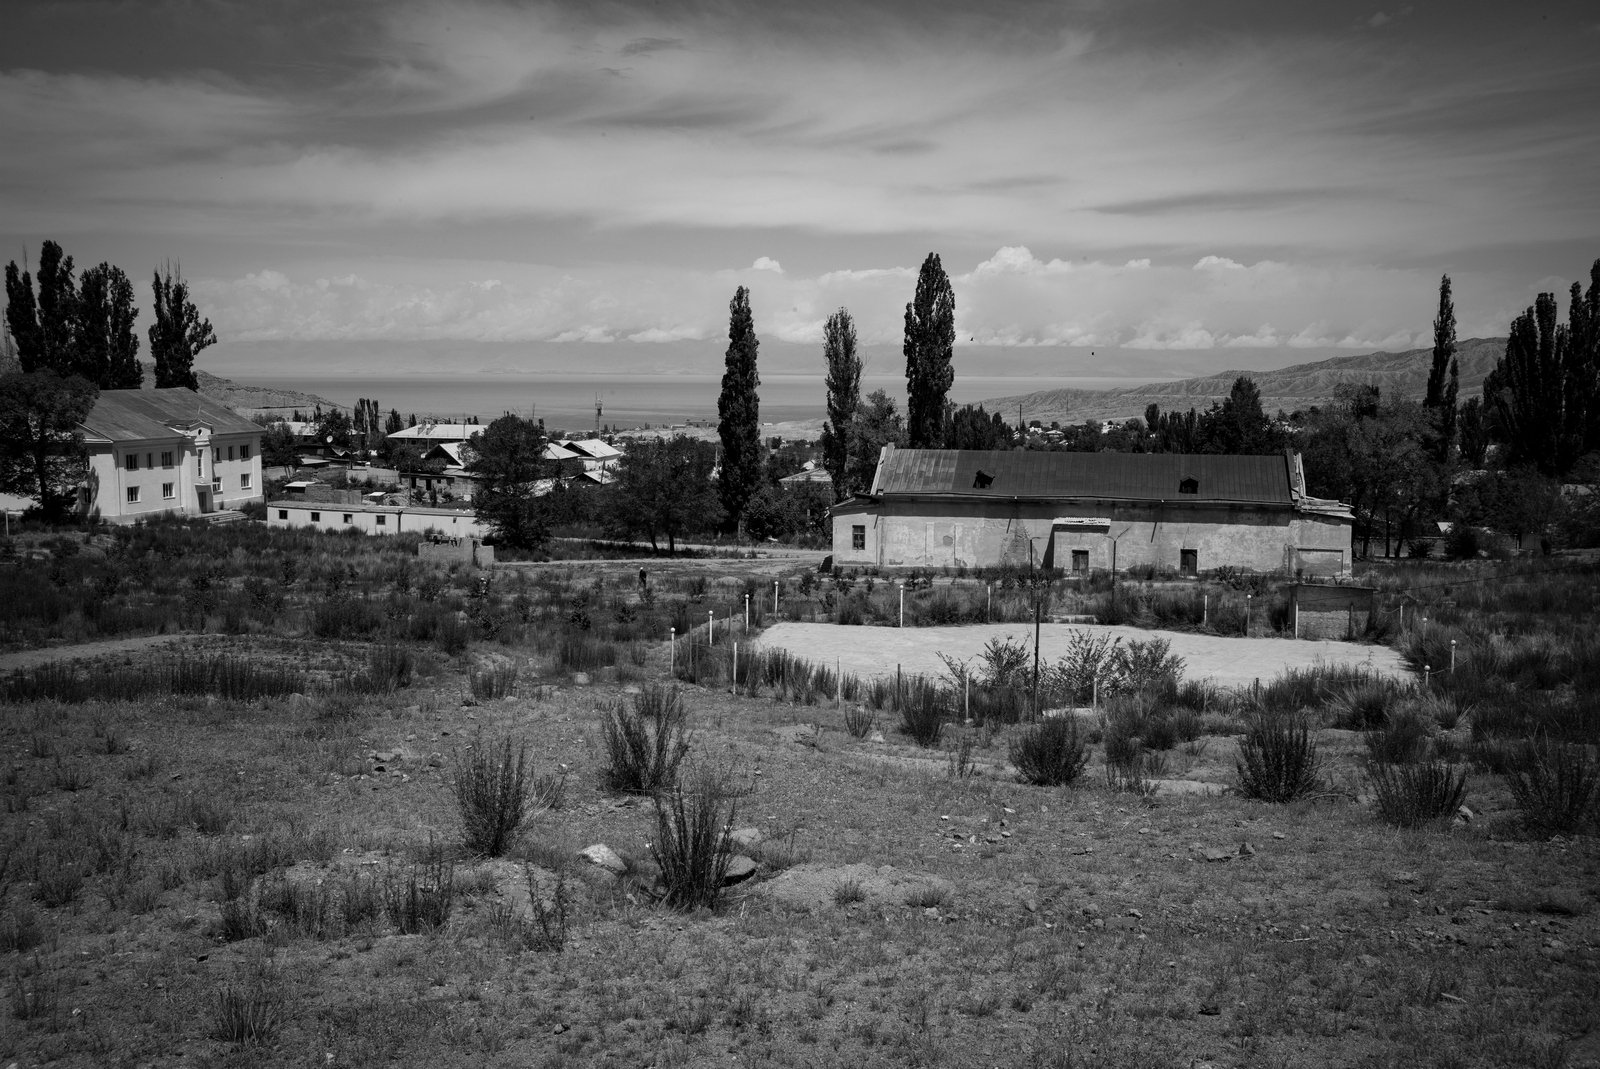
{"x":871,"y":652}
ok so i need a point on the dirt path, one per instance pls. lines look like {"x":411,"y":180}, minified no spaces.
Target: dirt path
{"x":1230,"y":662}
{"x":10,"y":662}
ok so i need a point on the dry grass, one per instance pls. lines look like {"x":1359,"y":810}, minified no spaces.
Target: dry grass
{"x":1028,"y":926}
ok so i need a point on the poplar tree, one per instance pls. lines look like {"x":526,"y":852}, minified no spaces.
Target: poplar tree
{"x":1444,"y":378}
{"x":739,"y":411}
{"x":1544,"y":390}
{"x":844,"y":397}
{"x":107,"y":347}
{"x":929,"y":347}
{"x":178,"y":334}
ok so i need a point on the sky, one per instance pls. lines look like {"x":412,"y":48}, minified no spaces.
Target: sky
{"x":1221,"y":183}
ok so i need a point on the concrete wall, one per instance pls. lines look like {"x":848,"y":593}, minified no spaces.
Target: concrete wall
{"x":1330,"y":612}
{"x":465,"y":550}
{"x":990,"y":533}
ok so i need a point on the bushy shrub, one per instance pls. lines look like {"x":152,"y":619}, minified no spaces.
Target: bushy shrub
{"x":1147,"y":666}
{"x":1362,"y":706}
{"x":494,"y":681}
{"x":493,"y":786}
{"x":1556,"y":785}
{"x":924,"y":705}
{"x":1417,"y":793}
{"x":1051,"y":754}
{"x":645,"y":744}
{"x":1278,"y":759}
{"x":1086,"y":666}
{"x":691,"y":843}
{"x":420,"y":901}
{"x":1402,"y":739}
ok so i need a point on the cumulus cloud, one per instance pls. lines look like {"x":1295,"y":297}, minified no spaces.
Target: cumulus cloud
{"x":1011,"y":298}
{"x":767,"y":263}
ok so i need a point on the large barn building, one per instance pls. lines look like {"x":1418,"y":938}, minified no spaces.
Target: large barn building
{"x":938,"y":508}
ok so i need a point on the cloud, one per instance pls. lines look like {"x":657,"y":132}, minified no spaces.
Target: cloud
{"x":1010,"y":298}
{"x":767,"y":263}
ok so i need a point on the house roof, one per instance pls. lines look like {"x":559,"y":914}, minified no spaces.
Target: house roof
{"x":438,"y":432}
{"x":1107,"y":476}
{"x":593,"y":448}
{"x":138,"y":415}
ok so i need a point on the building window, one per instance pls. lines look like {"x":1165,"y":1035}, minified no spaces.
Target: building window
{"x":1189,"y":562}
{"x":131,"y":461}
{"x":383,"y":521}
{"x":230,"y":452}
{"x":244,"y":452}
{"x":166,"y":460}
{"x":244,"y":481}
{"x":349,"y":518}
{"x":316,"y":517}
{"x":216,"y":484}
{"x":216,"y":455}
{"x":199,"y":467}
{"x":133,"y":495}
{"x":858,"y":536}
{"x":167,"y":491}
{"x":1080,"y":562}
{"x":149,"y":460}
{"x":283,"y":514}
{"x":1189,"y":486}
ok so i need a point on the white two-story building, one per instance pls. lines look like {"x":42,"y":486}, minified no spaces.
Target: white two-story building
{"x":170,"y":451}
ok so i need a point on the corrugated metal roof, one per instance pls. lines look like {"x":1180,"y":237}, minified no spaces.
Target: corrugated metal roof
{"x":136,"y":415}
{"x":1113,"y":476}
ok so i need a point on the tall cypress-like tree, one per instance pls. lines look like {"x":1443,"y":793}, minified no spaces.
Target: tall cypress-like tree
{"x":929,"y":348}
{"x":739,"y":411}
{"x":58,"y":311}
{"x":1545,"y":391}
{"x":844,"y":397}
{"x":178,"y":334}
{"x":1444,"y":377}
{"x":22,"y":317}
{"x":107,"y":347}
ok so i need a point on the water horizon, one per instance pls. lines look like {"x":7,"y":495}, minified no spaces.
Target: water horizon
{"x":626,"y":401}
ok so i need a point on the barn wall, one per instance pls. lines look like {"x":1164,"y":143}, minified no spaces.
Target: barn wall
{"x":981,"y":533}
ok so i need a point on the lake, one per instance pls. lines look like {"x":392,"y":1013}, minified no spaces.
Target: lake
{"x":625,"y":400}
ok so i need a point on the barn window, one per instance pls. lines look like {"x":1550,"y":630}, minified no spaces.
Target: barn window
{"x":1080,"y":562}
{"x":858,"y":536}
{"x":982,"y":481}
{"x":1189,"y":562}
{"x":283,"y":514}
{"x":1189,"y":485}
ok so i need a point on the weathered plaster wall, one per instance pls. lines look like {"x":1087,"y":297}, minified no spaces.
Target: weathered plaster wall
{"x":990,"y":533}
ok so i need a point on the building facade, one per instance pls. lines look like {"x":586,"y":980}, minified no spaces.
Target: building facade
{"x":1084,"y":512}
{"x":167,"y":452}
{"x":375,"y":519}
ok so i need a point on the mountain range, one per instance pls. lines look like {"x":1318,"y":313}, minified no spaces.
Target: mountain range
{"x":1397,"y":375}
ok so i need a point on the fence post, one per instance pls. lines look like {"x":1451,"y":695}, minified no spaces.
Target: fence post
{"x":672,"y":645}
{"x":1205,"y":610}
{"x":902,"y":603}
{"x":988,"y":613}
{"x":1452,"y":656}
{"x":711,"y":627}
{"x":747,"y":614}
{"x":736,"y":668}
{"x":838,"y":682}
{"x":774,"y":599}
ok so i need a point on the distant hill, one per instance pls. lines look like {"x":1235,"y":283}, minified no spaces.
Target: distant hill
{"x":1397,"y":375}
{"x":248,"y":400}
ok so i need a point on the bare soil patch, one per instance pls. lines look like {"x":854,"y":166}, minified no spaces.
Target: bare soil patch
{"x":872,"y":652}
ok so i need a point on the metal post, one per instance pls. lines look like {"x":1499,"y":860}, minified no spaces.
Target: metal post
{"x":711,"y":627}
{"x":1452,"y":656}
{"x":1247,"y":600}
{"x":1205,"y":610}
{"x":902,"y":603}
{"x":1036,"y":604}
{"x":838,"y":682}
{"x":774,"y":599}
{"x":988,"y":613}
{"x":672,"y":644}
{"x":1427,"y":674}
{"x":736,"y":668}
{"x":747,"y":614}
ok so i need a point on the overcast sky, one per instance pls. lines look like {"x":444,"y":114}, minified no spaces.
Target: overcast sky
{"x":1220,"y":175}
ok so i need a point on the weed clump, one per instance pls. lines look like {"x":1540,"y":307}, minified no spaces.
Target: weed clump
{"x":1555,"y":785}
{"x":494,"y":791}
{"x":1278,"y":759}
{"x":923,"y":707}
{"x":645,"y":744}
{"x":1416,"y":793}
{"x":1052,"y":754}
{"x":692,"y":845}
